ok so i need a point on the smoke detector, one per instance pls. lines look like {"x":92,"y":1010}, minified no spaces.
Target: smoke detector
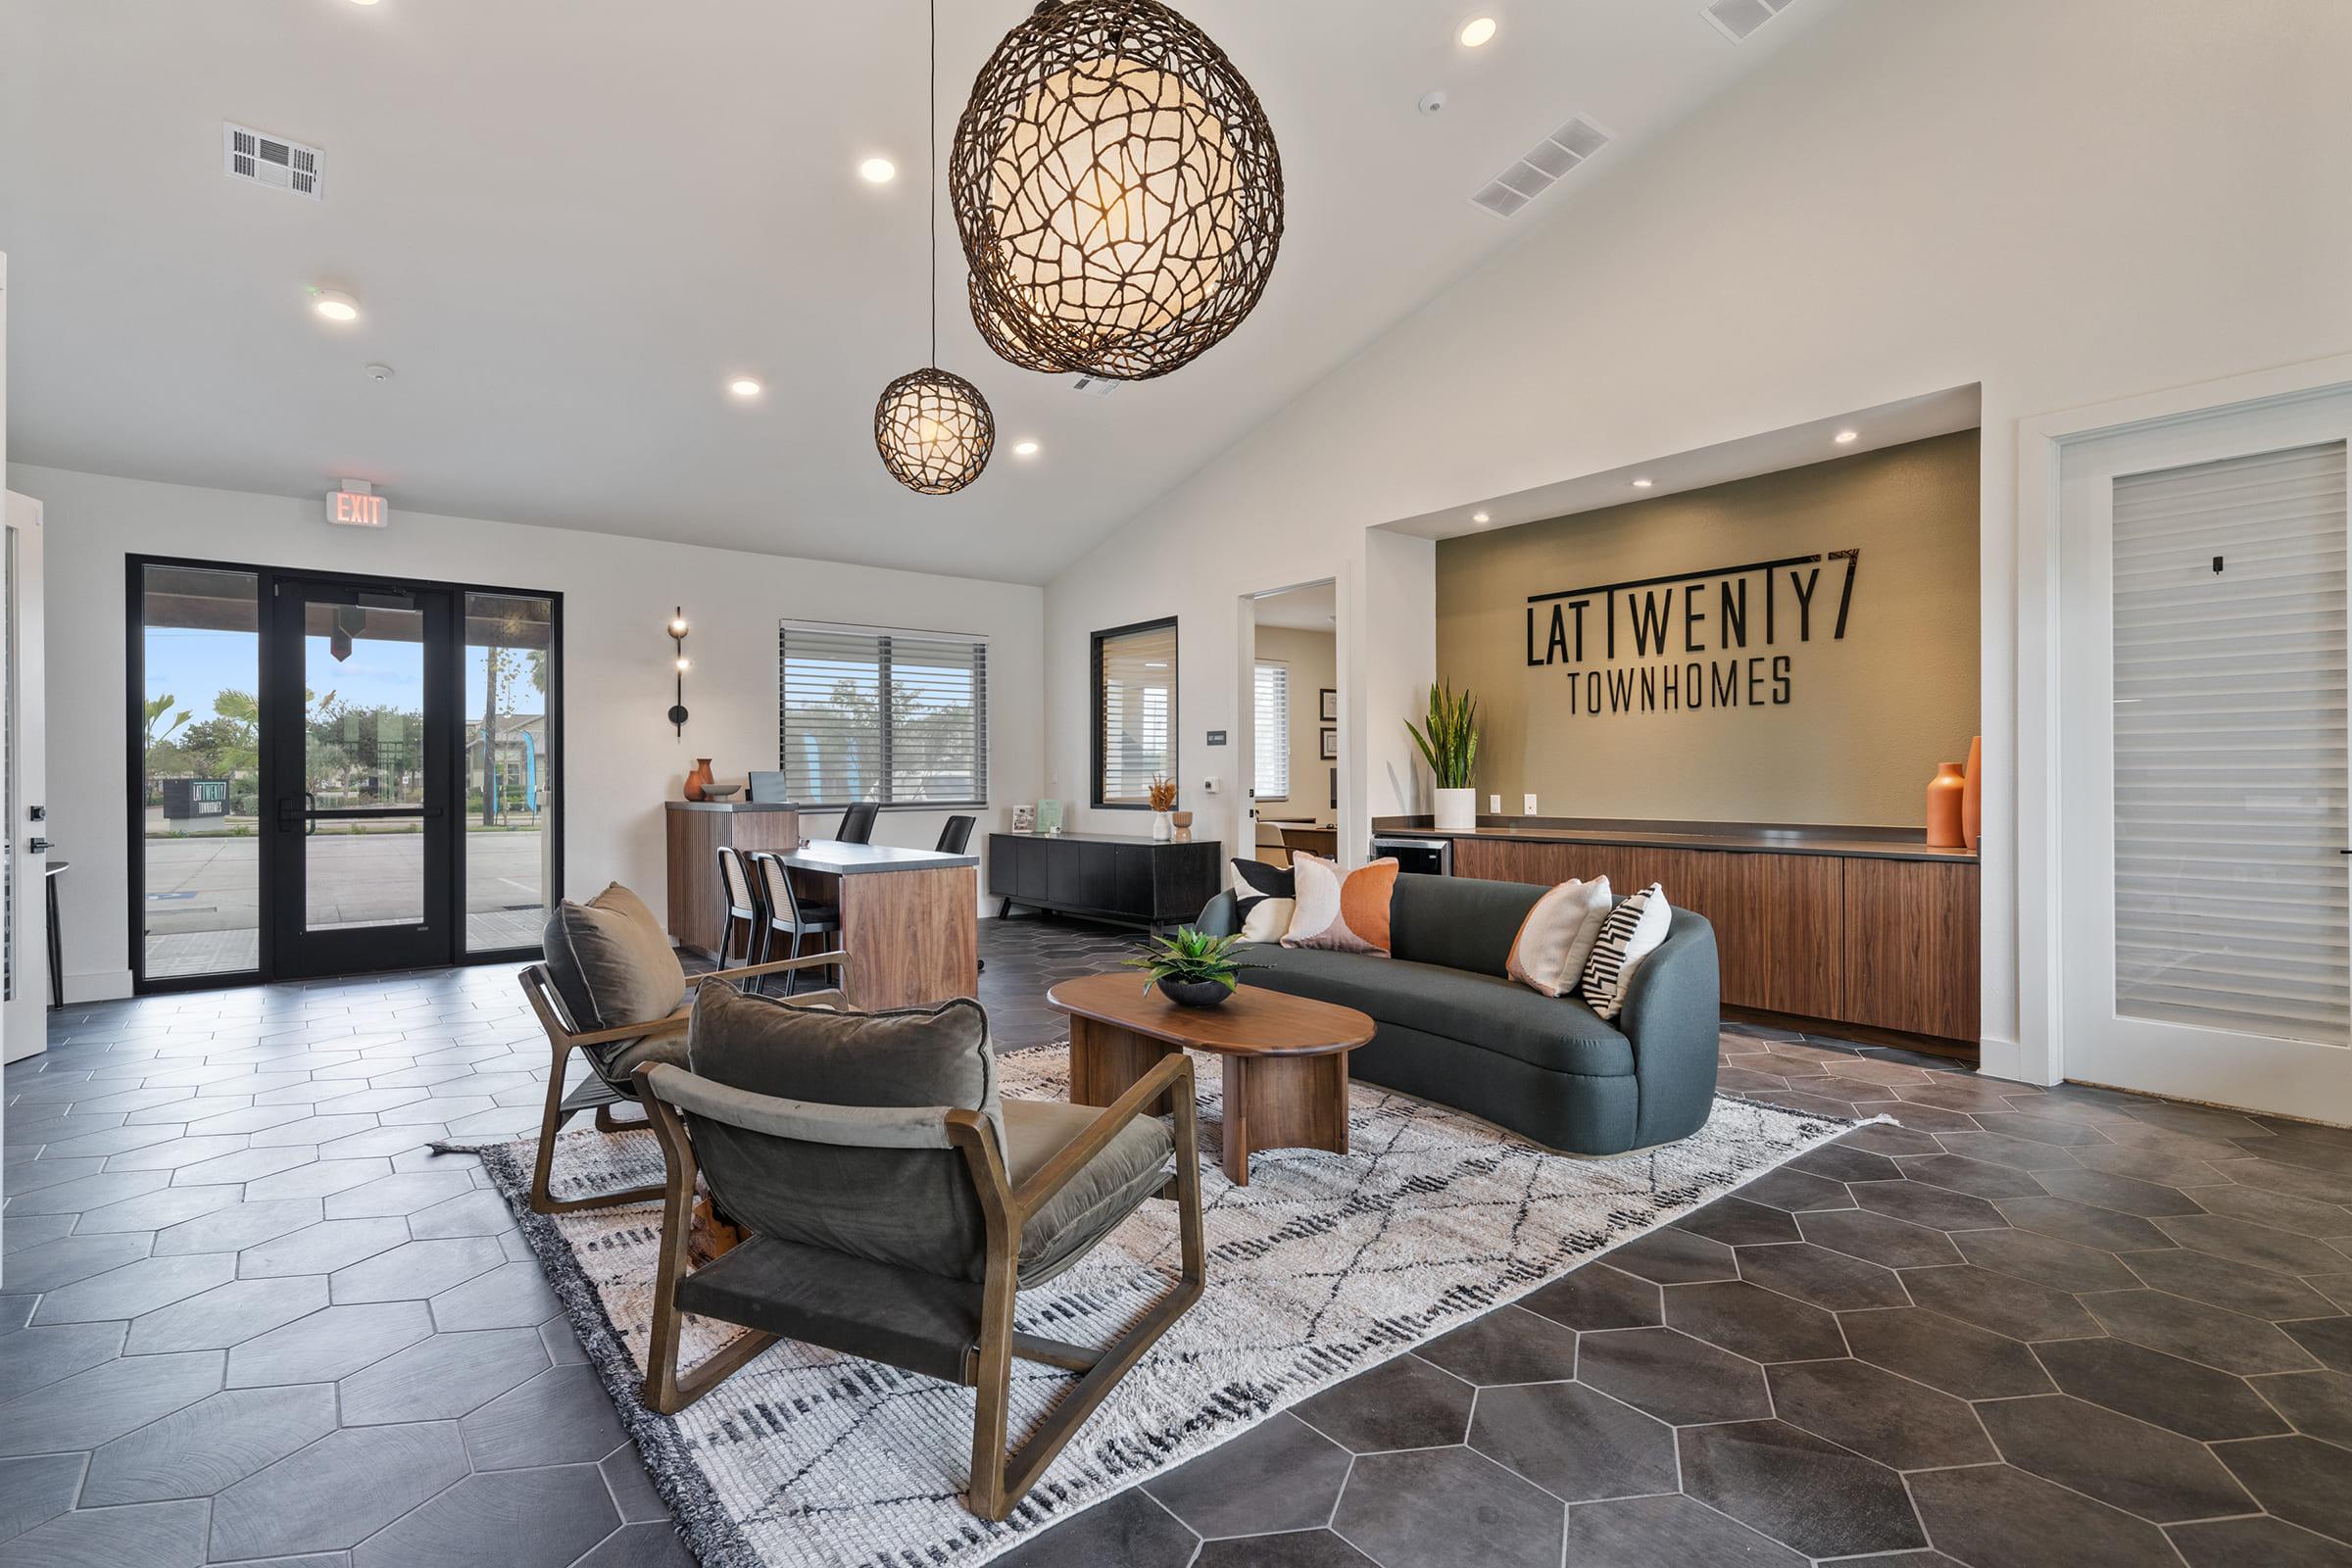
{"x":260,"y":159}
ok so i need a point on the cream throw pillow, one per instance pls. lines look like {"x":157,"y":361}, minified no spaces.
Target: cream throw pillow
{"x":1268,"y":918}
{"x":1558,"y":935}
{"x":1345,"y":914}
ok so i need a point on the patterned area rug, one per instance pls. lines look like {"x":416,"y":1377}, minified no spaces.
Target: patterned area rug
{"x":1322,"y":1266}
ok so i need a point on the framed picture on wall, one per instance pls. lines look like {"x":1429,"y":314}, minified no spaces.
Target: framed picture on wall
{"x":1331,"y":706}
{"x":1331,"y":745}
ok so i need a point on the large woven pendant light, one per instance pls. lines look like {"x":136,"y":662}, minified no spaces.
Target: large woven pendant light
{"x":933,"y":427}
{"x":1117,"y":191}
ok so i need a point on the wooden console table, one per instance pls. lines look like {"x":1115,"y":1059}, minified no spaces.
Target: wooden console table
{"x":1105,"y":876}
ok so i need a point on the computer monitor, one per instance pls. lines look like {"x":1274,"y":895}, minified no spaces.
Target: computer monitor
{"x":768,"y":789}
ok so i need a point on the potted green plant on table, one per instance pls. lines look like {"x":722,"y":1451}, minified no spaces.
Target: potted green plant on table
{"x":1450,"y":743}
{"x":1191,"y":968}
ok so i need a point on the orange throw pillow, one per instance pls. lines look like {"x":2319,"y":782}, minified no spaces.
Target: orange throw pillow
{"x":1345,"y":914}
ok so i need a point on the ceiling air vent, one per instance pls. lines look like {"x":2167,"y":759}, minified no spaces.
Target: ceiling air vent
{"x":1736,"y":19}
{"x":1098,"y":387}
{"x":1549,"y":159}
{"x":271,"y":161}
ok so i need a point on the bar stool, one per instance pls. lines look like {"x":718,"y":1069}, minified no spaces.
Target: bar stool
{"x":789,"y":914}
{"x":857,"y":823}
{"x":956,"y":835}
{"x":738,"y":900}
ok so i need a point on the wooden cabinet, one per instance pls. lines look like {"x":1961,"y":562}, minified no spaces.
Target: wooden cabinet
{"x":1872,"y":941}
{"x":1137,"y":881}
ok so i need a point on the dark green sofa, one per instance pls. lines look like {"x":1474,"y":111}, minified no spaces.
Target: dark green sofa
{"x":1455,"y":1030}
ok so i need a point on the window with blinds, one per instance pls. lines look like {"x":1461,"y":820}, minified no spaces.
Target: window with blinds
{"x":1271,"y":731}
{"x":896,"y":717}
{"x":1135,"y":711}
{"x":2229,"y":746}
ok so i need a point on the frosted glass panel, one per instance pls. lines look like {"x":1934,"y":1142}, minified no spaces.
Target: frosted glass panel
{"x":2231,"y":908}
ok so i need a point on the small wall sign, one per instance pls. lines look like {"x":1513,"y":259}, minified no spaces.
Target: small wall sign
{"x":356,"y":507}
{"x":1216,"y":736}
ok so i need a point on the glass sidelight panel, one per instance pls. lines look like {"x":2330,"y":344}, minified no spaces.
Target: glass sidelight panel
{"x":200,"y":771}
{"x":2230,"y":748}
{"x":365,"y":762}
{"x":509,"y":833}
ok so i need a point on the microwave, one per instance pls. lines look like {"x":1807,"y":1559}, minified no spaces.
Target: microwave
{"x":1428,"y":856}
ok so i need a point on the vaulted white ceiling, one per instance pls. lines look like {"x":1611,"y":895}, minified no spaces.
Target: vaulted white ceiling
{"x":568,"y":222}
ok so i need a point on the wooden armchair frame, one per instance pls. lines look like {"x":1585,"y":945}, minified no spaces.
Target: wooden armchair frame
{"x":599,"y":1093}
{"x":1000,"y":1477}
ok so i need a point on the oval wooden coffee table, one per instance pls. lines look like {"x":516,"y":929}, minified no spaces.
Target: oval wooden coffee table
{"x":1286,"y":1058}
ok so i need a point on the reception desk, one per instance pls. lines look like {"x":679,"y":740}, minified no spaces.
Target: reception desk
{"x":909,"y":918}
{"x":1862,"y":930}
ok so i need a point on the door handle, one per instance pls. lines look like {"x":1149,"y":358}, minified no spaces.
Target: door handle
{"x":309,"y":813}
{"x":36,"y":846}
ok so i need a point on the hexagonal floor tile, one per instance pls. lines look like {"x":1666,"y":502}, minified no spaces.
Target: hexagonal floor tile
{"x":322,"y":1248}
{"x":227,"y":1314}
{"x":1944,"y":1353}
{"x":1877,"y":1238}
{"x":1901,"y":1424}
{"x":1442,"y":1508}
{"x":2046,"y":1260}
{"x":1404,"y":1404}
{"x":1506,"y":1346}
{"x":1575,"y":1441}
{"x":1281,"y":1475}
{"x":1978,"y":1178}
{"x":1753,"y":1321}
{"x":35,"y":1490}
{"x":1938,"y":1208}
{"x":2000,"y":1302}
{"x":99,"y":1405}
{"x":2246,"y":1241}
{"x":2217,"y":1282}
{"x":152,"y":1535}
{"x":2319,"y":1404}
{"x":442,"y":1377}
{"x":2270,"y":1543}
{"x":1833,"y":1280}
{"x":416,"y":1270}
{"x":135,"y":1288}
{"x":1672,"y":1376}
{"x":2195,"y":1332}
{"x":2083,"y":1224}
{"x":1669,"y":1532}
{"x":568,"y":1507}
{"x":2179,"y":1396}
{"x":329,"y":1344}
{"x":336,"y":1493}
{"x":2301,"y":1480}
{"x":1802,"y":1491}
{"x":2156,"y":1474}
{"x":1998,"y":1516}
{"x":1598,"y":1296}
{"x":1671,"y":1256}
{"x":209,"y":1445}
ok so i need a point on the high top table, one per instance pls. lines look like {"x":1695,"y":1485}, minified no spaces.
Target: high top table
{"x":1286,"y":1058}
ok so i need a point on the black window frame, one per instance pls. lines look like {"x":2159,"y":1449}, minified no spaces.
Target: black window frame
{"x":885,"y":745}
{"x":1167,"y":623}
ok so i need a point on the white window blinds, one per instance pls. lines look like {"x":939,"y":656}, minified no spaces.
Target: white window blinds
{"x":1134,"y":711}
{"x":2229,"y":746}
{"x":1271,"y":732}
{"x":842,"y":741}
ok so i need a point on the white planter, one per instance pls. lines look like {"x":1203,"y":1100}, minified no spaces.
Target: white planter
{"x":1457,"y":811}
{"x":1163,"y":827}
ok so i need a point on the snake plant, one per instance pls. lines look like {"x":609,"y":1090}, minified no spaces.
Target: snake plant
{"x":1451,"y":741}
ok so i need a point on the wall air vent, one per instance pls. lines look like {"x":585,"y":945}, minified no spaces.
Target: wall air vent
{"x":271,"y":161}
{"x":1534,"y":174}
{"x":1736,"y":19}
{"x":1094,"y":386}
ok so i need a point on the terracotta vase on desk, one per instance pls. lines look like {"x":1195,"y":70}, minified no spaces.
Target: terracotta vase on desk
{"x":1943,"y":805}
{"x":699,"y":781}
{"x":1972,"y":799}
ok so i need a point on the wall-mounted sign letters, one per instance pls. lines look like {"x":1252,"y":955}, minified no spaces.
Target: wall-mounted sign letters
{"x":1690,"y":640}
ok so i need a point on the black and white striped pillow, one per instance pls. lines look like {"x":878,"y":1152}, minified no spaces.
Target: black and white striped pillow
{"x":1632,"y":933}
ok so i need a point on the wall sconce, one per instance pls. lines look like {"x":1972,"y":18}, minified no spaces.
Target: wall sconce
{"x":677,"y":637}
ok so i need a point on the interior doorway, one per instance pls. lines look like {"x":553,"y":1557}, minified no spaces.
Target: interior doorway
{"x":1293,"y":718}
{"x":337,"y":775}
{"x":2204,"y":823}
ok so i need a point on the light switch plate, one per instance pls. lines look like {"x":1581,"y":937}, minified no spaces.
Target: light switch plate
{"x":1495,"y":805}
{"x":1530,"y":809}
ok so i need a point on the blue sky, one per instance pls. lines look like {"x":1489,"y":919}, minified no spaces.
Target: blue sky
{"x":195,"y":666}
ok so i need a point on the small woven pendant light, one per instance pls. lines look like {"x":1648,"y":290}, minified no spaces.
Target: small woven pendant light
{"x":933,"y":427}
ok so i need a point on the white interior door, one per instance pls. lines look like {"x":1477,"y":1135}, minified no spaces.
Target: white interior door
{"x":2203,"y":760}
{"x":23,"y":925}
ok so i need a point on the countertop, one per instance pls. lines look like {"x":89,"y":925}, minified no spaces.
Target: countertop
{"x":831,"y":858}
{"x":1143,"y":839}
{"x":731,"y":806}
{"x":1740,"y":838}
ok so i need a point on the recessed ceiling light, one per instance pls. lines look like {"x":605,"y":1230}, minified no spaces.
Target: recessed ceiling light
{"x":1641,"y":484}
{"x":1024,"y":448}
{"x":1845,"y":437}
{"x":1480,"y":518}
{"x":334,"y":305}
{"x":1477,"y":30}
{"x":743,"y":386}
{"x":878,"y":171}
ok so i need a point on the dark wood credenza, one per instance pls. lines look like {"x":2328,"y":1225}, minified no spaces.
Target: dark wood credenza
{"x":1832,"y":927}
{"x":1105,"y":876}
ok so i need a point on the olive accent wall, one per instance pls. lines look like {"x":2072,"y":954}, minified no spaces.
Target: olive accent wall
{"x":1701,"y":714}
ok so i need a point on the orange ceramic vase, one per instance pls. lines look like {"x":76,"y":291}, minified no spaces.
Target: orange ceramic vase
{"x":1943,"y":805}
{"x":1972,"y":799}
{"x":700,"y":779}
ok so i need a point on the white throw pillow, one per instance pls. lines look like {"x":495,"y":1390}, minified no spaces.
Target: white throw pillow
{"x":1268,"y":918}
{"x":1631,"y":933}
{"x":1558,"y":935}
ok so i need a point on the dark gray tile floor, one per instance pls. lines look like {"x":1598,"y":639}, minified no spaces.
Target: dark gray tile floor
{"x":245,"y":1315}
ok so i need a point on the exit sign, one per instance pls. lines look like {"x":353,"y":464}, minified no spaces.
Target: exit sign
{"x":357,"y":509}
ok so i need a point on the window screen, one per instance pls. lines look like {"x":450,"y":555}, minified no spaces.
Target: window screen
{"x":896,"y":717}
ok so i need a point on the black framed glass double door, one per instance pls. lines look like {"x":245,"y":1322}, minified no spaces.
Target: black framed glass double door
{"x":358,"y":689}
{"x":337,"y":775}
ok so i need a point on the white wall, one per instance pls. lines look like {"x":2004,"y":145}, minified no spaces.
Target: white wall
{"x":2064,"y":203}
{"x":621,"y":757}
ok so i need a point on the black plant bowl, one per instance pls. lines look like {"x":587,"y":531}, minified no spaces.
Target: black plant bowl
{"x":1194,"y":993}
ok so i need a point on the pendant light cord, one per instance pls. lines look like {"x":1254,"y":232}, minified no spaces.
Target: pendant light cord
{"x":933,"y":162}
